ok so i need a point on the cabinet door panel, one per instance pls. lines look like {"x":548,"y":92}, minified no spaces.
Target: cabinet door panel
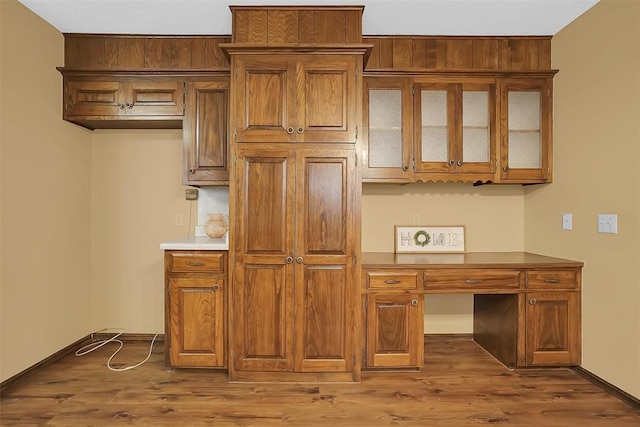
{"x":525,"y":123}
{"x":93,"y":98}
{"x":326,"y":276}
{"x":197,"y":335}
{"x":325,"y":205}
{"x":155,"y":98}
{"x":205,"y":131}
{"x":553,"y":328}
{"x":326,"y":107}
{"x":394,"y":330}
{"x":261,"y":312}
{"x":265,"y":100}
{"x":322,"y":330}
{"x":387,"y":126}
{"x":265,"y":212}
{"x":435,"y":111}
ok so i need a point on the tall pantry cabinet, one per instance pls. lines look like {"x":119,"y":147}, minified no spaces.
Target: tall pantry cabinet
{"x":295,"y":193}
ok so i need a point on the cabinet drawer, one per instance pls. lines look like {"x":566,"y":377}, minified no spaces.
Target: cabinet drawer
{"x":386,"y":280}
{"x":471,"y":279}
{"x":552,"y":279}
{"x":190,"y":261}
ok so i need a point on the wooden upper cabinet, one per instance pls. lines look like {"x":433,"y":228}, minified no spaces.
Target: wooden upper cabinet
{"x":296,"y":98}
{"x":388,"y":129}
{"x":455,"y":129}
{"x":111,"y":101}
{"x":526,"y":130}
{"x":206,"y":132}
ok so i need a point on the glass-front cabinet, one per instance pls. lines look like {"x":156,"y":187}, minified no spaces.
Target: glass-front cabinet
{"x":455,"y":130}
{"x":526,"y":139}
{"x":388,"y":154}
{"x":470,"y":129}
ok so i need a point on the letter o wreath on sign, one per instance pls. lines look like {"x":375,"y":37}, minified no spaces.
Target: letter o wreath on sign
{"x":421,"y":238}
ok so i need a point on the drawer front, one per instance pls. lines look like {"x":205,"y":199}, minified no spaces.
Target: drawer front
{"x":390,"y":280}
{"x":471,"y":279}
{"x":552,"y":279}
{"x":195,"y":261}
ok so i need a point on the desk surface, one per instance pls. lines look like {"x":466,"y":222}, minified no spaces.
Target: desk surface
{"x":465,"y":260}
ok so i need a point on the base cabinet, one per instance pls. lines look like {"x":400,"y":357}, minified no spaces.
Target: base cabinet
{"x":552,"y":328}
{"x":394,"y":330}
{"x":195,"y":319}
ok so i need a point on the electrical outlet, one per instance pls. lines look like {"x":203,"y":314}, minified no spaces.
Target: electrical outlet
{"x":608,"y":224}
{"x":567,"y":221}
{"x":191,"y":194}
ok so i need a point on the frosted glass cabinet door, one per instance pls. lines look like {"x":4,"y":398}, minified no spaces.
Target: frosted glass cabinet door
{"x":455,"y":129}
{"x":387,"y":156}
{"x":435,"y":108}
{"x":526,"y":140}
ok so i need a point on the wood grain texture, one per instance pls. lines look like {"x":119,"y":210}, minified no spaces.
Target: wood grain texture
{"x":459,"y":385}
{"x":450,"y":53}
{"x":124,"y":52}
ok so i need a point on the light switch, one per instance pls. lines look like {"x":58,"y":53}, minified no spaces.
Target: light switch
{"x":567,"y":221}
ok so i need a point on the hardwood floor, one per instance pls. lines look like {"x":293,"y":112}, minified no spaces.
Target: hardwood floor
{"x":460,"y":385}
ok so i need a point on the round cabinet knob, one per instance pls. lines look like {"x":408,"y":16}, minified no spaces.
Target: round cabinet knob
{"x":299,"y":260}
{"x":290,"y":131}
{"x":532,"y":301}
{"x":506,"y":168}
{"x":300,"y":130}
{"x":414,"y":302}
{"x":452,"y":162}
{"x":288,"y":259}
{"x":129,"y":106}
{"x":405,"y":168}
{"x":121,"y":106}
{"x":192,"y":171}
{"x":459,"y":162}
{"x":216,"y":287}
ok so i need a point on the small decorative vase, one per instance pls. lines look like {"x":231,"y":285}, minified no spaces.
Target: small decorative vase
{"x":216,"y":226}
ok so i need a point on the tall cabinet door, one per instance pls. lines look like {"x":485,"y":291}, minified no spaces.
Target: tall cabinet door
{"x":261,"y":306}
{"x":326,"y":242}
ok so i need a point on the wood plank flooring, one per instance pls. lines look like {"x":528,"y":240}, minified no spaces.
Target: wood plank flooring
{"x":460,"y":385}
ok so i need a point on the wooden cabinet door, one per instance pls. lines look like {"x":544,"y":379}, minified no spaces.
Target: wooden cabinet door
{"x":265,"y":89}
{"x":327,"y":98}
{"x":196,"y":322}
{"x":296,"y":98}
{"x":205,"y":133}
{"x":552,"y":328}
{"x":387,"y":130}
{"x":93,"y":98}
{"x":261,"y":305}
{"x":326,"y":240}
{"x":526,"y":130}
{"x":155,"y":97}
{"x":394,"y":330}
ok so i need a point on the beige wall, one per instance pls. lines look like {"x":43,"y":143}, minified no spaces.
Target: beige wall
{"x":597,"y":164}
{"x":136,"y":193}
{"x":45,"y":281}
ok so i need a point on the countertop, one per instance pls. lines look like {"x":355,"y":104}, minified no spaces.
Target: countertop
{"x":465,"y":260}
{"x":197,"y":244}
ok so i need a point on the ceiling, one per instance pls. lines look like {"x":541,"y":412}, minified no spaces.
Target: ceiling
{"x":392,"y":17}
